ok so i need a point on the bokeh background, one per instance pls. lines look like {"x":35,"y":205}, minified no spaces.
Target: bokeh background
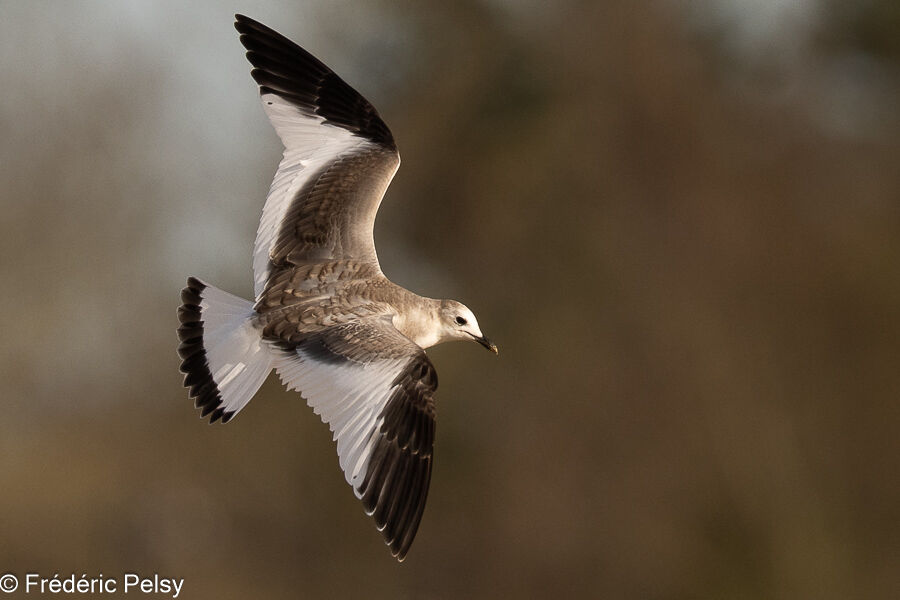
{"x":680,"y":220}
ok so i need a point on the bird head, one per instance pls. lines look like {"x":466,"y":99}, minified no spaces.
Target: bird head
{"x":459,"y":323}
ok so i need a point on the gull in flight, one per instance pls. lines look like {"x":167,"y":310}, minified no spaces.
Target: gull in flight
{"x":325,"y":318}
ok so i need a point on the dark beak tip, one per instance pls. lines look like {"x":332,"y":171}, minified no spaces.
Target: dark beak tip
{"x":489,"y":345}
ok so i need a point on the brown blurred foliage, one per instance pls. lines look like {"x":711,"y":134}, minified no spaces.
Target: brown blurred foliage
{"x":694,"y":284}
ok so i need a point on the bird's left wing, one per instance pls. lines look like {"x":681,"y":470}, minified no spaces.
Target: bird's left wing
{"x":375,"y":389}
{"x":339,"y":158}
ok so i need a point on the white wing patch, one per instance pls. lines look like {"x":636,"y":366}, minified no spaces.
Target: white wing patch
{"x":310,"y":144}
{"x":350,"y":398}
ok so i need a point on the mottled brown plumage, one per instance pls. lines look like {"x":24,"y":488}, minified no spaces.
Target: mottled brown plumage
{"x":325,"y":318}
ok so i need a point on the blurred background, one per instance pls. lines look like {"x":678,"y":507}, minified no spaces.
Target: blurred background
{"x":680,"y":220}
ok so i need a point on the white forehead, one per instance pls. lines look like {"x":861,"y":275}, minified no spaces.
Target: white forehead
{"x":458,"y":309}
{"x":469,"y":316}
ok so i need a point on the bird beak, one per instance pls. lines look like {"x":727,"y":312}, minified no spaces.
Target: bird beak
{"x":488,"y":344}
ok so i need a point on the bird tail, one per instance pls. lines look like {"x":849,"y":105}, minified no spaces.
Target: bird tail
{"x":224,"y":358}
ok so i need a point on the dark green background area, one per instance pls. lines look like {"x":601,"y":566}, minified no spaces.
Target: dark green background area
{"x":688,"y":252}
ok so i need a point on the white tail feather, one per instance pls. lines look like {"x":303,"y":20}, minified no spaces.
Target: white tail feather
{"x":225,"y":358}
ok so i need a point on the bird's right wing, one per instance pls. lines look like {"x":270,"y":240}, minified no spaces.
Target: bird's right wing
{"x":339,"y":158}
{"x":375,"y":389}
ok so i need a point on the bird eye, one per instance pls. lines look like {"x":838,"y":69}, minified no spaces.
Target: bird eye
{"x":460,"y":321}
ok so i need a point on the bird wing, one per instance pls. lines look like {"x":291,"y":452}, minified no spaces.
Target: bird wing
{"x":375,"y":389}
{"x":339,"y":158}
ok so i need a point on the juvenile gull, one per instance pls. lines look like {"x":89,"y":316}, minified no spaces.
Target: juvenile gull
{"x":326,"y":318}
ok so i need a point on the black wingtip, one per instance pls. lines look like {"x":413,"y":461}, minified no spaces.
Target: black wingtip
{"x":291,"y":72}
{"x":395,"y":488}
{"x":238,"y":19}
